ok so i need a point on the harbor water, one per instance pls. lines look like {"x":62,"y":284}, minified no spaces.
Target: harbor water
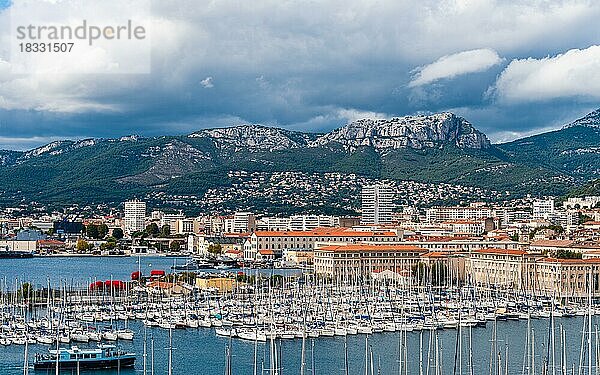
{"x":200,"y":351}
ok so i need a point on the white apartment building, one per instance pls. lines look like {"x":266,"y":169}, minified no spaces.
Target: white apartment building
{"x":135,"y":216}
{"x":185,"y":226}
{"x":308,"y":222}
{"x":466,"y":227}
{"x":566,"y":219}
{"x":172,"y":221}
{"x":241,"y":222}
{"x":588,"y":202}
{"x":543,"y":209}
{"x":377,"y":204}
{"x":273,"y":224}
{"x":441,"y":214}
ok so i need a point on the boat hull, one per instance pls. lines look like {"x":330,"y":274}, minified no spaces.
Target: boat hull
{"x":106,"y":363}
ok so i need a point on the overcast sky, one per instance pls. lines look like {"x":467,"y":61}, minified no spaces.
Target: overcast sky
{"x":512,"y":68}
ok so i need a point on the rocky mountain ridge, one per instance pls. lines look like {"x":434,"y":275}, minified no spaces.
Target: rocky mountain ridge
{"x":417,"y":132}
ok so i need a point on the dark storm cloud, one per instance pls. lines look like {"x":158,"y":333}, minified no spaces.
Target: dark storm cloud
{"x":314,"y":66}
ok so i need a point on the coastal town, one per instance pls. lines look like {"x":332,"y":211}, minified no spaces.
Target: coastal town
{"x":544,"y":245}
{"x":289,"y":187}
{"x":267,"y":280}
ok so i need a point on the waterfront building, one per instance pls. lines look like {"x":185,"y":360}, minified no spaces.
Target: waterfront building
{"x":497,"y":267}
{"x":298,"y":257}
{"x":279,"y":241}
{"x":135,"y":216}
{"x":220,"y":284}
{"x":358,"y":260}
{"x":564,"y":278}
{"x":377,"y":204}
{"x":551,"y":247}
{"x":14,"y":245}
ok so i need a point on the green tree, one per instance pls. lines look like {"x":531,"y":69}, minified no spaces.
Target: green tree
{"x":91,"y":230}
{"x":82,"y":245}
{"x":102,"y":230}
{"x":567,"y":254}
{"x":152,"y":229}
{"x":215,"y":249}
{"x":118,"y":233}
{"x":110,"y":244}
{"x":165,"y":231}
{"x":175,"y":246}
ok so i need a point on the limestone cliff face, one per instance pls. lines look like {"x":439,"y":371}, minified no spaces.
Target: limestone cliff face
{"x":253,"y":138}
{"x":407,"y":132}
{"x":591,"y":120}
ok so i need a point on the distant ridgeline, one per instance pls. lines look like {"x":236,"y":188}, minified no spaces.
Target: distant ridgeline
{"x":433,"y":149}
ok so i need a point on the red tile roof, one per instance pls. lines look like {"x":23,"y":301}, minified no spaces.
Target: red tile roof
{"x":553,"y":243}
{"x":372,"y":248}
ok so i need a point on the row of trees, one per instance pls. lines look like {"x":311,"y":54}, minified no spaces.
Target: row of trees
{"x":152,"y":230}
{"x":99,"y":232}
{"x":84,"y":246}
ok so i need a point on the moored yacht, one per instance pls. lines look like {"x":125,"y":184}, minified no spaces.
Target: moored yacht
{"x":103,"y":357}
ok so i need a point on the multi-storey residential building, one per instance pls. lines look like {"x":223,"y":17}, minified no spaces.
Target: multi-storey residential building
{"x":279,"y":241}
{"x":172,"y":220}
{"x":185,"y":226}
{"x":135,"y":215}
{"x":441,"y":214}
{"x":543,"y":209}
{"x":468,"y":227}
{"x":567,"y":219}
{"x":377,"y":204}
{"x":357,"y":260}
{"x":588,"y":202}
{"x":309,"y":222}
{"x":241,"y":222}
{"x":273,"y":224}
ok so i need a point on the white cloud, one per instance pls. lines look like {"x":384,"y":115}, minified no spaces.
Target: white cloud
{"x":351,"y":114}
{"x":460,"y":63}
{"x":207,"y":83}
{"x":337,"y":55}
{"x":575,"y":73}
